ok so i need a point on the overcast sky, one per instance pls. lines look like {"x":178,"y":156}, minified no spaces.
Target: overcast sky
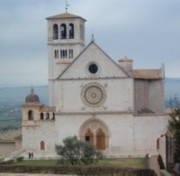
{"x":147,"y":31}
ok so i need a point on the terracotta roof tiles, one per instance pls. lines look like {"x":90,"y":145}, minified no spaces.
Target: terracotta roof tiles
{"x":64,"y":16}
{"x":147,"y":74}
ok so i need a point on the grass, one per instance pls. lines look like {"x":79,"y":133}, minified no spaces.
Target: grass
{"x":126,"y":162}
{"x":37,"y":163}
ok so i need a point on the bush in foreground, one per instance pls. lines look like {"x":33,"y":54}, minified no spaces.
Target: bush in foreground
{"x":75,"y":151}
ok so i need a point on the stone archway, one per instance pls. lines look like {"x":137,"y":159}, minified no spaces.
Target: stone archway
{"x":96,"y":132}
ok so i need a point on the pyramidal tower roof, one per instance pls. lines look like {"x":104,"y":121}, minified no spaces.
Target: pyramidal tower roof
{"x":65,"y":15}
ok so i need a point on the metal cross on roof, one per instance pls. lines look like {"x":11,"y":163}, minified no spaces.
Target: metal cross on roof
{"x":66,"y":6}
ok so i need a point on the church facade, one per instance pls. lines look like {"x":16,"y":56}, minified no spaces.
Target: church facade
{"x":117,"y":108}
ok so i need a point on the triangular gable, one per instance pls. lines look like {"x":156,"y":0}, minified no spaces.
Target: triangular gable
{"x":93,"y":54}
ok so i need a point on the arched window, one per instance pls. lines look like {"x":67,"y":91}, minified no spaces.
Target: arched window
{"x":55,"y":31}
{"x":42,"y":116}
{"x":47,"y":116}
{"x":71,"y":31}
{"x":89,"y":137}
{"x":63,"y":53}
{"x":158,"y":143}
{"x":100,"y":143}
{"x":70,"y":53}
{"x":53,"y":118}
{"x":56,"y":54}
{"x":81,"y":32}
{"x":30,"y":115}
{"x":42,"y":145}
{"x":63,"y":31}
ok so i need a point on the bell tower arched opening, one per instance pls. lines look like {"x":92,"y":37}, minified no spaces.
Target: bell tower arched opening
{"x":63,"y":31}
{"x":55,"y":31}
{"x":30,"y":115}
{"x":71,"y":31}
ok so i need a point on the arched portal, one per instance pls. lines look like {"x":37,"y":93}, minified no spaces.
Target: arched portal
{"x":96,"y":132}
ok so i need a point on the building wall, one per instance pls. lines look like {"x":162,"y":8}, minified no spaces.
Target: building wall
{"x":6,"y":148}
{"x":69,"y":96}
{"x":149,"y":94}
{"x":156,"y":95}
{"x":140,"y":94}
{"x":128,"y":135}
{"x":33,"y":135}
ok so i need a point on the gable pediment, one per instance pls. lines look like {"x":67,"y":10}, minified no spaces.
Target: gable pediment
{"x":93,"y":63}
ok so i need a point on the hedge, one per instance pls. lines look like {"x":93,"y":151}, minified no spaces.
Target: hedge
{"x":77,"y":170}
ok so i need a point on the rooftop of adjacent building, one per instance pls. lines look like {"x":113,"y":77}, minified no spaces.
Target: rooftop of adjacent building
{"x":10,"y":136}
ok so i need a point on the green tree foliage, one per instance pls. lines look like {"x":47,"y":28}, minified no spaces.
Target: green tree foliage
{"x":174,"y":126}
{"x":75,"y":151}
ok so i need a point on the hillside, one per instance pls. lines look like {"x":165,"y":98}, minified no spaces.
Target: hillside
{"x":11,"y":99}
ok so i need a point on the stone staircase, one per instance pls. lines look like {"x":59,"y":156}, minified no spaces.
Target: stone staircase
{"x":13,"y":156}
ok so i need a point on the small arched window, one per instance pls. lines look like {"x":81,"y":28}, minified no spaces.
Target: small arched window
{"x":53,"y":118}
{"x":55,"y":31}
{"x":47,"y":116}
{"x":63,"y":31}
{"x":70,"y":53}
{"x":42,"y":116}
{"x":30,"y":115}
{"x":71,"y":31}
{"x":42,"y":145}
{"x":158,"y":143}
{"x":56,"y":54}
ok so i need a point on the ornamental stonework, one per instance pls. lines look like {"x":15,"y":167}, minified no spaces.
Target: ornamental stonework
{"x":93,"y":95}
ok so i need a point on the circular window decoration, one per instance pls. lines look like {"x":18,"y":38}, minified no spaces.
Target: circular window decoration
{"x":93,"y":94}
{"x":93,"y":68}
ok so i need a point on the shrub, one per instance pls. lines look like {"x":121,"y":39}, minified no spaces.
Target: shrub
{"x":75,"y":151}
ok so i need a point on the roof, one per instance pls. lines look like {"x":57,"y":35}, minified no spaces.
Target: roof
{"x":64,"y":16}
{"x":32,"y":97}
{"x":48,"y":109}
{"x":147,"y":74}
{"x":9,"y":136}
{"x":84,"y":50}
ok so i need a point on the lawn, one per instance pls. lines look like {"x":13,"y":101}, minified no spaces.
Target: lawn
{"x":126,"y":162}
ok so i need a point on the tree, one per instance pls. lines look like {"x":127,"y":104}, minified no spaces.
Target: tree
{"x":76,"y":151}
{"x":174,"y":126}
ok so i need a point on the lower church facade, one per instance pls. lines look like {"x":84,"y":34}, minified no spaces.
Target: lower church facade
{"x":118,"y":109}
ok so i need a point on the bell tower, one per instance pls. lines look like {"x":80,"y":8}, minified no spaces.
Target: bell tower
{"x":66,"y":40}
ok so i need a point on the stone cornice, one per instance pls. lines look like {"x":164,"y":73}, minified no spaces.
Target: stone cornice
{"x":88,"y":78}
{"x":113,"y":113}
{"x":93,"y":113}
